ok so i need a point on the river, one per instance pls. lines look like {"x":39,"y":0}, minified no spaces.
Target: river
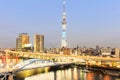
{"x":72,"y":74}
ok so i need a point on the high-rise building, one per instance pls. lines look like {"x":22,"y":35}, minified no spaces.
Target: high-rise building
{"x":18,"y":46}
{"x":38,"y":43}
{"x":21,"y":41}
{"x":64,"y":41}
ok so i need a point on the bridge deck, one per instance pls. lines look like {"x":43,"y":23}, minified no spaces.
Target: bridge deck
{"x":61,"y":55}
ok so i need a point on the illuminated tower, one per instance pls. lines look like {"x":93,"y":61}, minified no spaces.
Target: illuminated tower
{"x":64,"y":41}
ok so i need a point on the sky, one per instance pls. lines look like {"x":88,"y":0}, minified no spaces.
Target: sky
{"x":89,"y":22}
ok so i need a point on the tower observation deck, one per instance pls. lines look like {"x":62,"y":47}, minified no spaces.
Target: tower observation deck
{"x":64,"y":41}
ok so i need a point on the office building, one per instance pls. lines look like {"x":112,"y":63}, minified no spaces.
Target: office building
{"x":38,"y":43}
{"x":21,"y":41}
{"x":18,"y":47}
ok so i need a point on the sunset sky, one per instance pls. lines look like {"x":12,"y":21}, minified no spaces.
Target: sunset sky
{"x":89,"y":22}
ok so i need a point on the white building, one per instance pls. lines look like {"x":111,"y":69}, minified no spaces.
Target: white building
{"x":106,"y":51}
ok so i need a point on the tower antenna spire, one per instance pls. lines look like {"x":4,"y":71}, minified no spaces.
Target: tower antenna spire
{"x":64,"y":41}
{"x":64,"y":3}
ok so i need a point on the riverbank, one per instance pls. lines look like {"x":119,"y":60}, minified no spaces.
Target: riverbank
{"x":98,"y":67}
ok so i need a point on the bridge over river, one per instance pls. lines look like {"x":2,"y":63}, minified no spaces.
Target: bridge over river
{"x":104,"y":62}
{"x":31,"y":67}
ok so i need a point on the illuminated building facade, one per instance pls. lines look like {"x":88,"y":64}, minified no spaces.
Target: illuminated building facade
{"x":38,"y":43}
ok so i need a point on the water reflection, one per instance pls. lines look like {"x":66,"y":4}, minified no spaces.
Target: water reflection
{"x":107,"y":77}
{"x":71,"y":74}
{"x":89,"y":76}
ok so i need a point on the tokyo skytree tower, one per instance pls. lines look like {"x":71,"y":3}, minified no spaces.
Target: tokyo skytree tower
{"x":64,"y":41}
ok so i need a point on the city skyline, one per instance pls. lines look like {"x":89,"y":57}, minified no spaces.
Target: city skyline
{"x":89,"y":23}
